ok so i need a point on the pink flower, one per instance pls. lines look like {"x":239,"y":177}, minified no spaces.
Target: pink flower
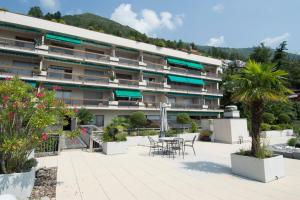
{"x":5,"y":98}
{"x":7,"y":78}
{"x":11,"y":115}
{"x":56,"y":87}
{"x":83,"y":131}
{"x":40,"y":106}
{"x":40,"y":95}
{"x":44,"y":136}
{"x":75,"y":109}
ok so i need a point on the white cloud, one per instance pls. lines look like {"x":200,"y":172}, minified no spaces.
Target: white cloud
{"x":74,"y":12}
{"x":270,"y":41}
{"x":51,"y":5}
{"x":216,"y":42}
{"x":218,"y":8}
{"x":147,"y":21}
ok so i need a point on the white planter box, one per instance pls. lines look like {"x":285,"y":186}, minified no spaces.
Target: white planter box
{"x":269,"y":134}
{"x":111,"y":148}
{"x":263,"y":170}
{"x":18,"y":184}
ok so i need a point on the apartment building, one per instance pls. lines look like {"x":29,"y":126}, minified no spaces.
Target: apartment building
{"x":109,"y":75}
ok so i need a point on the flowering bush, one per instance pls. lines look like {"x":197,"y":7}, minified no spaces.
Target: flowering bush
{"x":25,"y":116}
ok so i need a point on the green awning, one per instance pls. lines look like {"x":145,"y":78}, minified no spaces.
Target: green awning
{"x":189,"y":64}
{"x":187,"y":80}
{"x":51,"y":36}
{"x":32,"y":83}
{"x":128,"y":93}
{"x":211,"y":97}
{"x":87,"y":87}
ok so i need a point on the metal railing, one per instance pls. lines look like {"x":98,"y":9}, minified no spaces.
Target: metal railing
{"x":153,"y":84}
{"x":85,"y":102}
{"x":91,"y":135}
{"x":20,"y":44}
{"x":194,"y":106}
{"x":19,"y":71}
{"x":125,"y":103}
{"x":54,"y":75}
{"x":49,"y":147}
{"x":151,"y":104}
{"x":128,"y":61}
{"x":128,"y":82}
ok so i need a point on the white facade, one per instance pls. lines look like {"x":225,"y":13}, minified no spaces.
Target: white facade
{"x":89,"y":68}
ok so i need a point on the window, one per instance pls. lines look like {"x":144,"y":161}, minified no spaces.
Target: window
{"x":149,"y":79}
{"x":28,"y":42}
{"x":23,"y":68}
{"x":93,"y":74}
{"x":58,"y":72}
{"x":187,"y":101}
{"x":94,"y":54}
{"x":98,"y":120}
{"x":65,"y":95}
{"x":171,"y":100}
{"x":92,"y":98}
{"x":124,"y":76}
{"x":153,"y":117}
{"x":149,"y":98}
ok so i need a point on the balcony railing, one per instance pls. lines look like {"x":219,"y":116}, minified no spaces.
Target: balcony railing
{"x":151,"y":104}
{"x":128,"y":61}
{"x":125,"y":103}
{"x":20,"y":44}
{"x":85,"y":102}
{"x":155,"y":66}
{"x":18,"y":71}
{"x":194,"y":106}
{"x":153,"y":84}
{"x":128,"y":82}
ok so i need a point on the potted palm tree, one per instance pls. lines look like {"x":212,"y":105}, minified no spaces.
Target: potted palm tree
{"x":255,"y":85}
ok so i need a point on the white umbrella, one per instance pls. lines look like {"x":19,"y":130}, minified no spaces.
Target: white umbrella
{"x":163,"y":119}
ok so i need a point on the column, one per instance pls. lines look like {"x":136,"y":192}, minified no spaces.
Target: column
{"x":113,"y":51}
{"x":141,"y":56}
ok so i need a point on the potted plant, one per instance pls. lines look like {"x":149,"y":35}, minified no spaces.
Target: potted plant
{"x":25,"y":115}
{"x":255,"y":85}
{"x":114,"y":137}
{"x":205,"y":135}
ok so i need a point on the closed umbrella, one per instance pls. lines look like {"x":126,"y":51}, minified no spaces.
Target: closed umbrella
{"x":163,"y":119}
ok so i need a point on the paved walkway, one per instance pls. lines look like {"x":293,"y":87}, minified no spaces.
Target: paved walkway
{"x":135,"y":175}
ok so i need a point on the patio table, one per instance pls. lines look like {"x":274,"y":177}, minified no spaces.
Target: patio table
{"x":171,"y":142}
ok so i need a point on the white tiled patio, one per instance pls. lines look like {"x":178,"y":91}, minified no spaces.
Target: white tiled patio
{"x":135,"y":175}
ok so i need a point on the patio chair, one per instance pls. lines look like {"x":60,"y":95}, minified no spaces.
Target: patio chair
{"x":189,"y":143}
{"x":177,"y":145}
{"x":154,"y":145}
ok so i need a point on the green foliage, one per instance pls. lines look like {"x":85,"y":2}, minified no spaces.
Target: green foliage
{"x":292,"y":142}
{"x":85,"y":117}
{"x":36,"y":12}
{"x":194,"y":127}
{"x":172,"y":132}
{"x":3,"y":9}
{"x":261,"y":54}
{"x":268,"y":118}
{"x":284,"y":118}
{"x":262,"y":152}
{"x":183,"y":118}
{"x":144,"y":133}
{"x":24,"y":116}
{"x":280,"y":56}
{"x":28,"y":164}
{"x":116,"y":130}
{"x":205,"y":133}
{"x":138,"y":119}
{"x":265,"y":127}
{"x":275,"y":127}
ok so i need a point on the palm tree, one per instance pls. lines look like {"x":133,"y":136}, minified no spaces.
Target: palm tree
{"x":255,"y":85}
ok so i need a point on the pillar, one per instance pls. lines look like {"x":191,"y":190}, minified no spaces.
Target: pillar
{"x":113,"y":51}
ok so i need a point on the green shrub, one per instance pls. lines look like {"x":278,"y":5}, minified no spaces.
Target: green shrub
{"x":115,"y":131}
{"x":292,"y":142}
{"x":284,"y":118}
{"x":183,"y":118}
{"x":268,"y":118}
{"x":205,"y":133}
{"x":138,"y":120}
{"x":194,"y":127}
{"x":275,"y":127}
{"x":285,"y":126}
{"x":85,"y":117}
{"x":265,"y":127}
{"x":172,"y":132}
{"x":263,"y":152}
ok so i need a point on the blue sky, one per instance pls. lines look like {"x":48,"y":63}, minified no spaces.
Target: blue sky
{"x":229,"y":23}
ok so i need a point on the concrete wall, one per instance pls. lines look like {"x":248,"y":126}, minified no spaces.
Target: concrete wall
{"x":230,"y":130}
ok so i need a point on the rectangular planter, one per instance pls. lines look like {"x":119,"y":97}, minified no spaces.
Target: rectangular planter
{"x":111,"y":148}
{"x":18,"y":184}
{"x":263,"y":170}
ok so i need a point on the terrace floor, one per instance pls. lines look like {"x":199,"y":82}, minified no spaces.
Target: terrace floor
{"x":135,"y":175}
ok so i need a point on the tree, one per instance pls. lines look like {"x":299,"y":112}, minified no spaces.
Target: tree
{"x":261,"y":54}
{"x":138,"y":119}
{"x":183,"y":118}
{"x":280,"y":56}
{"x":25,"y":115}
{"x":255,"y":85}
{"x":268,"y":118}
{"x":35,"y":12}
{"x":85,"y":117}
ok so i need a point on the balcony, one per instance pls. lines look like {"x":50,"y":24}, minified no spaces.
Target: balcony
{"x":19,"y":44}
{"x":194,"y":106}
{"x":85,"y":102}
{"x":18,"y":71}
{"x":54,"y":75}
{"x":152,"y":84}
{"x":128,"y":82}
